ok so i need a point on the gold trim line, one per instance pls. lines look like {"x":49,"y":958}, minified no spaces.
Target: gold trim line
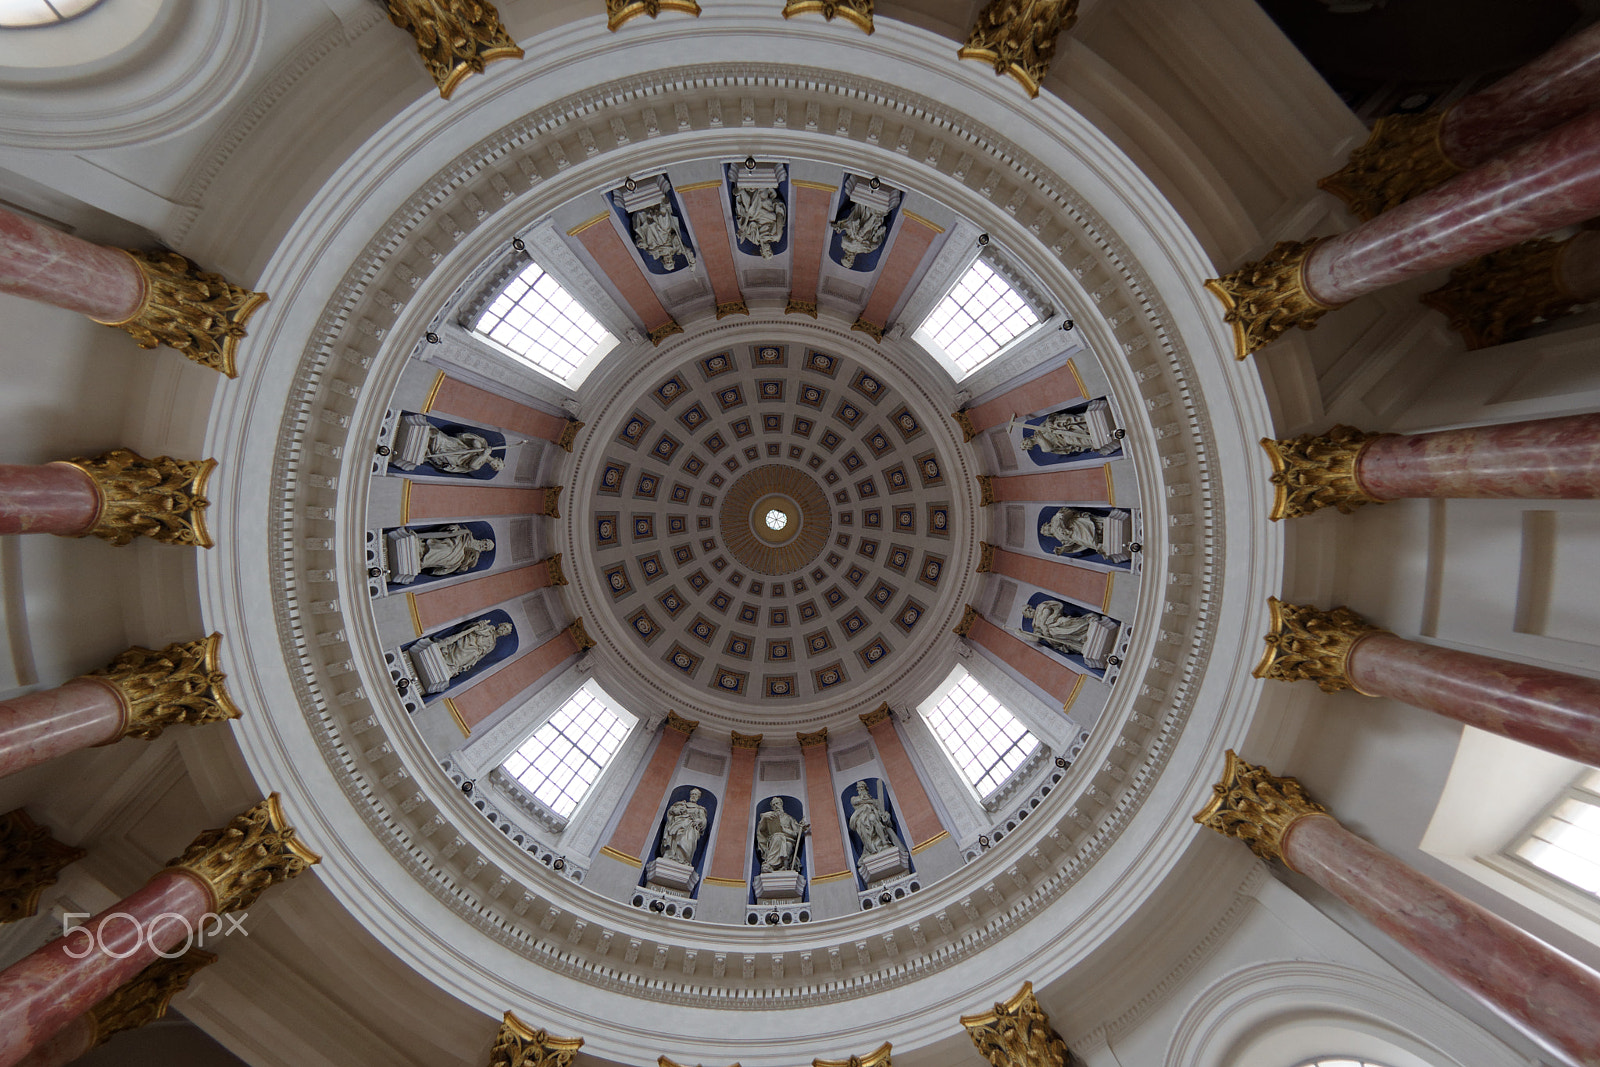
{"x":416,"y":616}
{"x":914,"y":217}
{"x":621,"y":857}
{"x":934,"y":840}
{"x":433,"y":392}
{"x":455,"y":713}
{"x":580,"y":227}
{"x":736,"y":883}
{"x":822,"y":879}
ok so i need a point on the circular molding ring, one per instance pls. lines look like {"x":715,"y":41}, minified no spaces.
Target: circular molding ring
{"x":800,"y":500}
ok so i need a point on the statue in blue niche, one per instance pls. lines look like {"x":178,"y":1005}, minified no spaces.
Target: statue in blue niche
{"x":417,"y":441}
{"x":778,"y":837}
{"x":685,"y":823}
{"x":870,"y":821}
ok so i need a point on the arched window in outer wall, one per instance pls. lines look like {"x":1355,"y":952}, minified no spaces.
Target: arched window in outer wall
{"x":18,"y":14}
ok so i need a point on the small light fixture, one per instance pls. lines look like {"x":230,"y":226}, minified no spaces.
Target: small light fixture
{"x":658,"y":906}
{"x":1061,"y":761}
{"x":558,"y":864}
{"x":983,"y":840}
{"x":1135,"y":547}
{"x":519,"y":244}
{"x":403,"y":685}
{"x":1068,"y":325}
{"x":383,"y":450}
{"x":983,"y":240}
{"x":374,"y":572}
{"x":885,"y":897}
{"x":432,"y":337}
{"x":772,"y":917}
{"x":874,"y":184}
{"x":467,"y":786}
{"x":630,"y":185}
{"x":749,"y":162}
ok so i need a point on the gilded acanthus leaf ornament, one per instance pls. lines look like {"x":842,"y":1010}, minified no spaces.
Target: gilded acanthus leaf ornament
{"x":856,"y":11}
{"x":569,"y":435}
{"x":552,"y":501}
{"x":580,"y":635}
{"x":239,"y":862}
{"x":454,"y":37}
{"x":807,"y":739}
{"x":664,"y":331}
{"x":179,"y":684}
{"x":144,"y":998}
{"x":1495,"y":297}
{"x":1256,"y":806}
{"x":985,"y":490}
{"x":680,"y":724}
{"x":30,"y":860}
{"x":1019,"y":37}
{"x":985,"y":557}
{"x":963,"y":420}
{"x":1401,"y":158}
{"x":197,"y":312}
{"x":1264,"y":299}
{"x":880,"y":1057}
{"x":1308,"y":644}
{"x":519,"y":1045}
{"x":1316,"y":471}
{"x":969,"y":615}
{"x":620,"y":11}
{"x":871,"y":329}
{"x":161,"y":498}
{"x":552,"y":566}
{"x":1018,"y":1034}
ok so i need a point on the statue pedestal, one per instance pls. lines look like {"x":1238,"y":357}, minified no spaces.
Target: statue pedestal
{"x":780,"y":885}
{"x":1117,"y":537}
{"x":1097,"y":416}
{"x":430,"y":666}
{"x":670,"y":874}
{"x":411,"y":439}
{"x":402,"y":556}
{"x":885,"y":864}
{"x":1100,"y":642}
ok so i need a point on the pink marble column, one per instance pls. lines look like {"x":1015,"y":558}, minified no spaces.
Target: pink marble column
{"x":1053,"y":389}
{"x":1560,"y":85}
{"x":46,"y":991}
{"x":730,"y":862}
{"x":53,"y":498}
{"x":917,"y":814}
{"x":1548,"y":709}
{"x":639,"y":817}
{"x":1547,"y":459}
{"x":1540,"y":186}
{"x":1552,"y":997}
{"x":51,"y":723}
{"x":822,"y":811}
{"x":45,"y":264}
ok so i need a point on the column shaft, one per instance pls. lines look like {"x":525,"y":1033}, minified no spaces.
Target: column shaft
{"x":1538,"y":187}
{"x":822,"y":809}
{"x":1053,"y":389}
{"x":638,"y":818}
{"x":1560,"y":85}
{"x":731,"y":860}
{"x":1551,"y":710}
{"x":51,"y":723}
{"x":1543,"y":991}
{"x":1541,"y":459}
{"x":70,"y":1042}
{"x":53,"y":498}
{"x":917,"y":814}
{"x":46,"y":991}
{"x":42,"y":263}
{"x":1080,"y":485}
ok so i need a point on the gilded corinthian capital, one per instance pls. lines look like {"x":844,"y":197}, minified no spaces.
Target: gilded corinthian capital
{"x":1307,"y":644}
{"x":856,"y":11}
{"x":1264,"y":299}
{"x":1316,"y":471}
{"x":253,"y":853}
{"x":1402,"y":158}
{"x":879,"y":1057}
{"x":1018,"y":1034}
{"x":177,"y":684}
{"x":162,"y":498}
{"x":518,"y":1045}
{"x":144,"y":998}
{"x":1019,"y":37}
{"x":1256,"y":806}
{"x":197,"y":312}
{"x":30,"y":860}
{"x":1496,"y":296}
{"x":620,"y":11}
{"x":454,"y":37}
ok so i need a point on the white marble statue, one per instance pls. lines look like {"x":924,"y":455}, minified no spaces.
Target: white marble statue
{"x":760,"y":215}
{"x":863,"y":231}
{"x":871,"y":823}
{"x":1054,"y":626}
{"x":461,"y":453}
{"x":452,"y":550}
{"x":1078,"y":531}
{"x":461,"y":652}
{"x":686,"y":821}
{"x":1062,"y":434}
{"x":778,"y":838}
{"x":656,"y":233}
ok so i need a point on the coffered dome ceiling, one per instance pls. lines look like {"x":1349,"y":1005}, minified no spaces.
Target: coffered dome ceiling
{"x":721,"y":614}
{"x":696,"y":604}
